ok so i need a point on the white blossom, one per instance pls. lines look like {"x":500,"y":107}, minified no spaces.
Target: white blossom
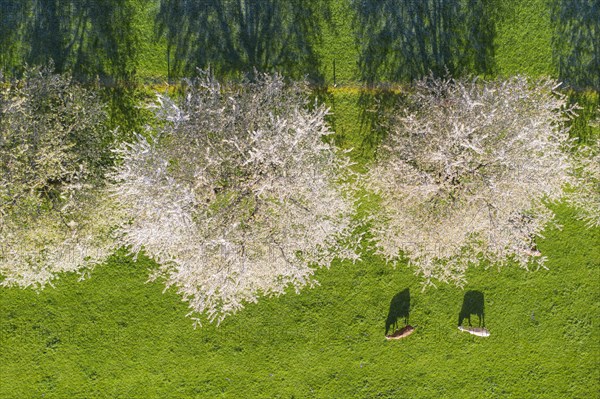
{"x":236,"y":194}
{"x":53,"y":214}
{"x":466,"y":174}
{"x":585,"y":193}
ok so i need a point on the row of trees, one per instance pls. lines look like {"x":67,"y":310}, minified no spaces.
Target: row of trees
{"x":396,"y":39}
{"x":236,"y":193}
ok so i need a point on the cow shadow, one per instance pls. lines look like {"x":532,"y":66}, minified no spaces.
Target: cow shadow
{"x":473,"y":304}
{"x":399,"y":310}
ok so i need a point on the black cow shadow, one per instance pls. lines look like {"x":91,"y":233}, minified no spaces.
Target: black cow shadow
{"x":473,"y":304}
{"x":399,"y":309}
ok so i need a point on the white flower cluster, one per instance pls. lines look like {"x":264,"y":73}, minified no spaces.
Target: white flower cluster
{"x":51,"y":135}
{"x":465,"y":175}
{"x":237,"y":194}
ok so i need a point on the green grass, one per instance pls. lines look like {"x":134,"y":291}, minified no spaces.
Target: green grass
{"x":339,"y":45}
{"x":524,"y":39}
{"x":115,"y":336}
{"x":523,"y":42}
{"x":152,"y":51}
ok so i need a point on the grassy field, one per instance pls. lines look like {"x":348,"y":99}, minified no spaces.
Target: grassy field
{"x":523,"y":43}
{"x":524,"y":39}
{"x":113,"y":335}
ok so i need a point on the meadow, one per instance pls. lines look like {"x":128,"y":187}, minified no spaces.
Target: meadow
{"x":112,"y":334}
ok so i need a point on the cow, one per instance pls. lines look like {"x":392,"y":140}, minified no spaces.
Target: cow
{"x":479,"y":331}
{"x":402,"y":333}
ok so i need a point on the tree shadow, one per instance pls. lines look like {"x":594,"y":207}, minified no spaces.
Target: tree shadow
{"x":400,"y":40}
{"x":399,"y":309}
{"x":91,"y":39}
{"x":239,"y":37}
{"x":576,"y":42}
{"x":95,"y":41}
{"x":473,"y":304}
{"x":13,"y":16}
{"x":375,"y":105}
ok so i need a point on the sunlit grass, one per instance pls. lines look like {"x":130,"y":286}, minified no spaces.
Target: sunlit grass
{"x":114,"y":335}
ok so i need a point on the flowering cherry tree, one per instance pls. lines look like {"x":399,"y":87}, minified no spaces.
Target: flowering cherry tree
{"x":236,"y":193}
{"x":465,"y":175}
{"x":585,"y":195}
{"x":52,"y":151}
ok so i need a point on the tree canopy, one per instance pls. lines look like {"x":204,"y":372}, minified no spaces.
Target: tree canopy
{"x":466,"y":173}
{"x":53,"y":150}
{"x":235,"y":193}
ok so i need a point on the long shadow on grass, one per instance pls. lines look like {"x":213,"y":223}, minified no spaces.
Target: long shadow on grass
{"x":91,"y":39}
{"x":376,"y":106}
{"x":399,"y":309}
{"x":239,"y":37}
{"x":473,"y":304}
{"x":575,"y":43}
{"x":400,"y":40}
